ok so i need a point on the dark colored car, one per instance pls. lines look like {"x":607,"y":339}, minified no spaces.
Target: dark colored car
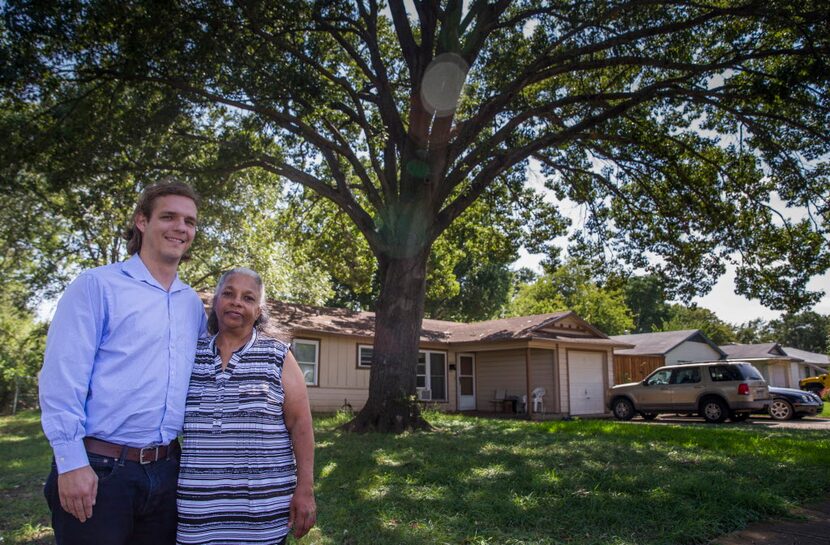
{"x":789,"y":403}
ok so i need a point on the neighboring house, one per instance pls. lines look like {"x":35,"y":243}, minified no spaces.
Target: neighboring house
{"x":778,"y":367}
{"x":461,"y":365}
{"x":811,"y":363}
{"x":653,"y":350}
{"x":781,"y":366}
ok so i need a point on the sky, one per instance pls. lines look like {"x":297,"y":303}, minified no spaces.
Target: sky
{"x":737,"y":309}
{"x":722,"y":300}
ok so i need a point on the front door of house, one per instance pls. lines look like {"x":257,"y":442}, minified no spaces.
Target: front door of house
{"x":466,"y":382}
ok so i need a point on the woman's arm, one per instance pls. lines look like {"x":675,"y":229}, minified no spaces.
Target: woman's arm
{"x":303,"y":513}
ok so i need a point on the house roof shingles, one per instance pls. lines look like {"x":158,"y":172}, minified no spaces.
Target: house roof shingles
{"x":808,"y":357}
{"x":774,"y":351}
{"x":761,"y":351}
{"x":660,"y":343}
{"x":504,"y":329}
{"x":288,"y":319}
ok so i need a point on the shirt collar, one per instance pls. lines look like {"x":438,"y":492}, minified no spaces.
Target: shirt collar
{"x":241,"y":351}
{"x":135,"y":268}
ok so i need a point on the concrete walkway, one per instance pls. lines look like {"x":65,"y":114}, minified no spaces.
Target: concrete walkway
{"x":814,"y":530}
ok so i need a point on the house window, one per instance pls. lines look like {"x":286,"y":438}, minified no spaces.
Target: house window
{"x":307,"y":353}
{"x":431,"y":375}
{"x":364,"y":356}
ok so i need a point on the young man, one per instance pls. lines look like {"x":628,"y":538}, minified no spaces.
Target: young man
{"x":112,"y":390}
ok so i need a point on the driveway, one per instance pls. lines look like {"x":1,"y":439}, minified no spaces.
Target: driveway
{"x":803,"y":424}
{"x":811,"y":423}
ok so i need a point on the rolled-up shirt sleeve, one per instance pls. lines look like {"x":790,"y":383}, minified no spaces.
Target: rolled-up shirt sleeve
{"x":71,"y":345}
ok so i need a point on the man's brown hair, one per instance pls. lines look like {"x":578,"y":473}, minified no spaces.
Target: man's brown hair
{"x":146,"y":203}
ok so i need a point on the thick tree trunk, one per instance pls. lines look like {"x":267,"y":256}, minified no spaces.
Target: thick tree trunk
{"x":392,"y":406}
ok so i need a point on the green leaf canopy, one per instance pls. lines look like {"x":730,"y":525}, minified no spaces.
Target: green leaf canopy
{"x":673,"y":122}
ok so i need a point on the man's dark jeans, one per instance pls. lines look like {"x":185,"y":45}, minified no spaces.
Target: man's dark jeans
{"x":136,"y":504}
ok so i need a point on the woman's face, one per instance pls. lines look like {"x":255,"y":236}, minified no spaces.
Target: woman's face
{"x":237,"y":306}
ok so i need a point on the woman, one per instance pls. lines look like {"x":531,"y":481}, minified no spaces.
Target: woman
{"x":248,"y":456}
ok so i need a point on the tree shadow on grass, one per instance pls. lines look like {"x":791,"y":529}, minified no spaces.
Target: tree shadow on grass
{"x":494,"y":481}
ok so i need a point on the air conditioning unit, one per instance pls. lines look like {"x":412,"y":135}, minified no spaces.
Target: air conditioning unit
{"x":424,"y":395}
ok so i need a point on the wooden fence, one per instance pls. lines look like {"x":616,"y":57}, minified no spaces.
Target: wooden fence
{"x":635,"y":368}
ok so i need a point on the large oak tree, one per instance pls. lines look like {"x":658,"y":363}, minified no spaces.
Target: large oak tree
{"x":672,"y":121}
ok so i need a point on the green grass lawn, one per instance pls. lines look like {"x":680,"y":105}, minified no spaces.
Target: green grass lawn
{"x":480,"y":481}
{"x":24,"y":466}
{"x":826,"y":411}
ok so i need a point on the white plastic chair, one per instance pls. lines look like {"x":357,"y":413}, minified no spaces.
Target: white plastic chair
{"x":536,"y":398}
{"x":522,"y":409}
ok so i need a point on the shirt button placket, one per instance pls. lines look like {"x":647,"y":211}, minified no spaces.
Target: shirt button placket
{"x":217,"y":410}
{"x":171,"y":335}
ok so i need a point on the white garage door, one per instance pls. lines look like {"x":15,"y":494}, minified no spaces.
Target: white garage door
{"x":778,"y":376}
{"x":585,"y":383}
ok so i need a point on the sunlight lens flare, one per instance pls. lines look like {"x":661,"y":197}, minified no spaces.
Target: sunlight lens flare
{"x":443,"y":81}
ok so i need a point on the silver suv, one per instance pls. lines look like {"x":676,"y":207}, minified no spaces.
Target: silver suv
{"x":713,"y":390}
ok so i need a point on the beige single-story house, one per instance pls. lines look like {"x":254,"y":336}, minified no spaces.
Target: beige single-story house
{"x":653,"y":350}
{"x":462,"y":366}
{"x":781,"y":366}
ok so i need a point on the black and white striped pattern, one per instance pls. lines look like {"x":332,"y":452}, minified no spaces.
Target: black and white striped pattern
{"x":237,"y":470}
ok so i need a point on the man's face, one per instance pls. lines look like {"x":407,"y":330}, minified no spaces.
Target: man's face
{"x":168,"y":232}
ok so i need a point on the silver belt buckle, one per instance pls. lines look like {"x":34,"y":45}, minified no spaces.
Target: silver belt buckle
{"x":141,"y":459}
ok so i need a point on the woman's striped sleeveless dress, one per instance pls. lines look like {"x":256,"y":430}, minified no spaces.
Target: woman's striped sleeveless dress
{"x":237,"y":471}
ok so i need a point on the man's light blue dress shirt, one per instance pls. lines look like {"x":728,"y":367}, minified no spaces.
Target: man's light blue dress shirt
{"x":118,"y":358}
